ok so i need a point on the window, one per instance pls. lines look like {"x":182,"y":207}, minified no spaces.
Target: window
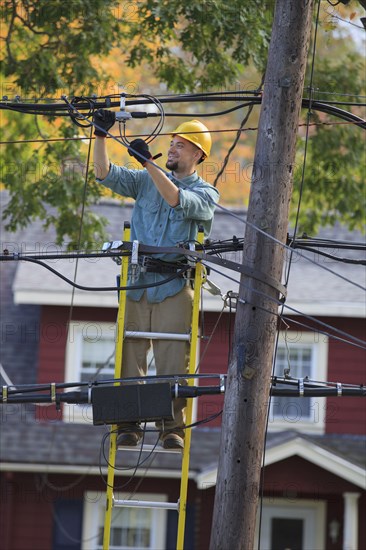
{"x":90,"y":355}
{"x":67,"y":521}
{"x":296,"y":524}
{"x":137,"y":528}
{"x":303,"y":355}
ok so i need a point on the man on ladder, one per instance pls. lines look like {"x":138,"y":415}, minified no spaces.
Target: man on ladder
{"x":168,"y":211}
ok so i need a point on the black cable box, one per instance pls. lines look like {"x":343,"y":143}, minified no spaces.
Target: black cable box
{"x":132,"y":403}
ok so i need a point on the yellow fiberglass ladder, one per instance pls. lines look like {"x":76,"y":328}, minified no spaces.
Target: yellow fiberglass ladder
{"x":180,"y":505}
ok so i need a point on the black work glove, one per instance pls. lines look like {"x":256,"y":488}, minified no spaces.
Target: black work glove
{"x":104,"y":119}
{"x":140,"y":150}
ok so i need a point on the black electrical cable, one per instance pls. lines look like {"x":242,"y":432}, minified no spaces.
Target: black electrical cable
{"x":166,"y":280}
{"x":211,"y":248}
{"x":107,"y":289}
{"x":288,"y":307}
{"x":140,"y":462}
{"x":28,"y":388}
{"x":327,"y":243}
{"x":281,"y":243}
{"x":331,"y":256}
{"x":184,"y":391}
{"x":285,"y":246}
{"x":216,"y":113}
{"x":59,"y":110}
{"x":72,"y":110}
{"x":351,"y":339}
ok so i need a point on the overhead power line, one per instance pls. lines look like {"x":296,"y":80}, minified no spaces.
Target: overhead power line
{"x":88,"y":105}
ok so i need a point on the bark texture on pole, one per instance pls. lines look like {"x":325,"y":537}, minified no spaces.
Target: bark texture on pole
{"x":248,"y":384}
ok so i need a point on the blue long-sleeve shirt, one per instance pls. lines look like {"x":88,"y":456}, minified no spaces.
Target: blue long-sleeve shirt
{"x":156,"y":223}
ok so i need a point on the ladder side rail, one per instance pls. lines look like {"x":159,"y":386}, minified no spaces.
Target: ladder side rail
{"x":117,"y":374}
{"x":198,"y":281}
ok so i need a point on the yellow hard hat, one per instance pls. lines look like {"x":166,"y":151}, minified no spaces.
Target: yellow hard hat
{"x":197,"y":133}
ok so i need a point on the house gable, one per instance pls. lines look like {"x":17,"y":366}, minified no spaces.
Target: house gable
{"x":311,"y":452}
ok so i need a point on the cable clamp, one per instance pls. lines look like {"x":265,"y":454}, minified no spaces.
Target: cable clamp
{"x":339,"y":389}
{"x":301,"y":387}
{"x":191,"y":246}
{"x":135,"y":252}
{"x":89,"y":394}
{"x":135,"y":268}
{"x":122,"y":114}
{"x":5,"y":394}
{"x":113,"y":245}
{"x":176,"y":389}
{"x":222,"y":383}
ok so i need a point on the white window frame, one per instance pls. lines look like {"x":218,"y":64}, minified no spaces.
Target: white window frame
{"x":313,"y":512}
{"x":94,"y":514}
{"x":93,"y":330}
{"x":316,"y":422}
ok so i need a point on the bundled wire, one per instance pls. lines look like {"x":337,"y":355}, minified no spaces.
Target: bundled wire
{"x":244,"y":97}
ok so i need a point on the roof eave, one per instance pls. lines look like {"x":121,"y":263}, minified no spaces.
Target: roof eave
{"x":309,"y":451}
{"x":210,"y":303}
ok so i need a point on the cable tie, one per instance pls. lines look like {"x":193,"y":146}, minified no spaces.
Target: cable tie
{"x":53,"y":392}
{"x":301,"y":387}
{"x":339,"y":389}
{"x":5,"y":394}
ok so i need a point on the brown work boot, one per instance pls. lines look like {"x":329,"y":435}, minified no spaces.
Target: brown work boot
{"x":173,"y":439}
{"x":129,"y":435}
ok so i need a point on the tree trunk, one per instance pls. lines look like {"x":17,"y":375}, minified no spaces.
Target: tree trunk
{"x":248,"y":382}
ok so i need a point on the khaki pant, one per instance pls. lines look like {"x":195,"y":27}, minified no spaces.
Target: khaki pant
{"x":174,"y":315}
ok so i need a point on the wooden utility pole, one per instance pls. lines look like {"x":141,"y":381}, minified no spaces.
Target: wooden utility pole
{"x":248,"y":382}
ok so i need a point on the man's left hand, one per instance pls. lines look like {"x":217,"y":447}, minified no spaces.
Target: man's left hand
{"x":140,"y":151}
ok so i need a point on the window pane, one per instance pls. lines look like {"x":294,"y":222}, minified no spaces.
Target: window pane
{"x":299,"y":359}
{"x":131,"y":528}
{"x":97,"y":358}
{"x":287,"y":534}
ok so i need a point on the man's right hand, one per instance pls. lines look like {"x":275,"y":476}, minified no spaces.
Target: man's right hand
{"x":104,"y":121}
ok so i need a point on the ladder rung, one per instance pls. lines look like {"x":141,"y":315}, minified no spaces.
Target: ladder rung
{"x":148,"y":449}
{"x":146,"y":504}
{"x":156,"y":335}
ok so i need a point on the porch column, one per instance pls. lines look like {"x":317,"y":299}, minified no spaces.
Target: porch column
{"x":350,"y":521}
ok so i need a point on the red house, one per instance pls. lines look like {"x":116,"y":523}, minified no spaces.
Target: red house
{"x":53,"y":468}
